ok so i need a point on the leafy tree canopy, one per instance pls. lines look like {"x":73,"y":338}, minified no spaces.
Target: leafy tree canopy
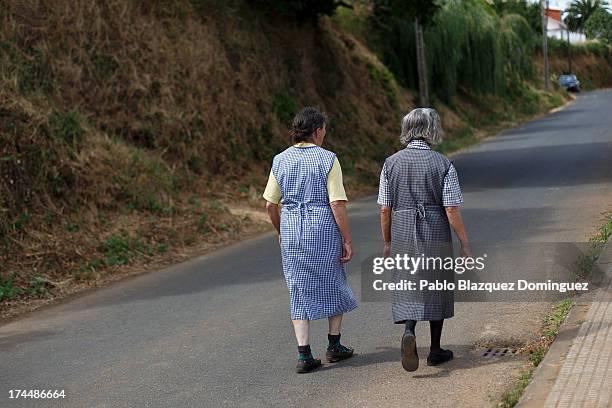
{"x":529,"y":10}
{"x":299,"y":10}
{"x":579,"y":12}
{"x":599,"y":25}
{"x":424,"y":10}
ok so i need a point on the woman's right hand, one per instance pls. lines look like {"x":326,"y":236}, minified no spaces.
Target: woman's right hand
{"x":347,"y":251}
{"x":387,"y":249}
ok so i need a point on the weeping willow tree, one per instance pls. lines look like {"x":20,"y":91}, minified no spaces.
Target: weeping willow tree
{"x":518,"y":43}
{"x":469,"y":46}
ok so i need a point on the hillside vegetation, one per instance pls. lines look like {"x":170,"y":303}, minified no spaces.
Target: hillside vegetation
{"x":127,"y":128}
{"x":591,"y":62}
{"x":133,"y":130}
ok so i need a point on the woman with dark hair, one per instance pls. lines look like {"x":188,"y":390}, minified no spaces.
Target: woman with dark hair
{"x":314,"y":235}
{"x":420,"y":197}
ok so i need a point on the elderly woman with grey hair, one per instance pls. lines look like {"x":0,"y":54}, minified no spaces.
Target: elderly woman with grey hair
{"x":420,"y":196}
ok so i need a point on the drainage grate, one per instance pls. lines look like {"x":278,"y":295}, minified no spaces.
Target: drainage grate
{"x":499,"y":352}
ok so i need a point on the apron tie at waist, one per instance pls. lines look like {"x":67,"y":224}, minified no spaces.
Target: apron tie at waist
{"x":304,"y":208}
{"x":421,"y":211}
{"x":419,"y":214}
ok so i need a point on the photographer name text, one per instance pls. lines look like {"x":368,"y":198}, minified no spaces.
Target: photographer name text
{"x":467,"y":285}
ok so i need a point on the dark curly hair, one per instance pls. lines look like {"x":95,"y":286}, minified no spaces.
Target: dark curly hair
{"x":305,"y":123}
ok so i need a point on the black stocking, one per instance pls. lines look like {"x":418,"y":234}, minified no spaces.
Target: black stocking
{"x":410,"y":325}
{"x":435,"y":328}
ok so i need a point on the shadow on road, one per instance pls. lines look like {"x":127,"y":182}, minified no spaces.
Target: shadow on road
{"x":465,"y":358}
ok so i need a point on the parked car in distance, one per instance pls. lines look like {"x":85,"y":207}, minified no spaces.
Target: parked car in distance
{"x":570,"y":82}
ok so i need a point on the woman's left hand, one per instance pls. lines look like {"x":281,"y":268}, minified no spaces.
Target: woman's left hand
{"x":347,"y":252}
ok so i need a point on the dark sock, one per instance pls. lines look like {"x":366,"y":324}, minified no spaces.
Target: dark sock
{"x":334,"y":339}
{"x":435,"y":328}
{"x":410,"y":326}
{"x":305,"y":353}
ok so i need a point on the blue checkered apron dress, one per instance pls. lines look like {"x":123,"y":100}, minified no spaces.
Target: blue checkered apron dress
{"x":311,"y":243}
{"x":419,"y":227}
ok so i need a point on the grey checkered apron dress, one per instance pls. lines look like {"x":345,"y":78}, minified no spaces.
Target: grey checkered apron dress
{"x":311,"y":243}
{"x":419,"y":226}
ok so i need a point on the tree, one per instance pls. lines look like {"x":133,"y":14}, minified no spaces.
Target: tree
{"x":599,"y":26}
{"x":579,"y":12}
{"x":529,"y":10}
{"x":421,"y":12}
{"x":544,"y":5}
{"x":300,"y":10}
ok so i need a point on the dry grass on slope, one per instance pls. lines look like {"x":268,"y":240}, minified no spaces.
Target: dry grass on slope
{"x":130,"y":131}
{"x":591,"y":62}
{"x":204,"y":88}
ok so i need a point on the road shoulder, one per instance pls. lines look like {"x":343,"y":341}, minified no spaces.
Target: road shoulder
{"x":580,"y":353}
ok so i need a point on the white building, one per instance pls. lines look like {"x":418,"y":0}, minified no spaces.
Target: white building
{"x":556,"y":28}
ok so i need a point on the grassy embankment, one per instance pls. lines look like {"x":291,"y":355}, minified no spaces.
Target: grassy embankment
{"x":591,"y":62}
{"x":138,"y":133}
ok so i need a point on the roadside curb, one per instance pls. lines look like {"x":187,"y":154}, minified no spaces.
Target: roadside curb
{"x":547,"y":372}
{"x":605,"y":258}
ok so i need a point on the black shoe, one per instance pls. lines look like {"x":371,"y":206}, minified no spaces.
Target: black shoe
{"x":410,"y":358}
{"x":439,"y":357}
{"x":306,"y":366}
{"x":338,"y":352}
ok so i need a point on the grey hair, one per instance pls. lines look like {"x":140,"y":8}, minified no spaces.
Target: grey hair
{"x":423,"y":124}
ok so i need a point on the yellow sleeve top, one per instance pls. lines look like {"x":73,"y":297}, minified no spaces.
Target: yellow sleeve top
{"x":335,"y":186}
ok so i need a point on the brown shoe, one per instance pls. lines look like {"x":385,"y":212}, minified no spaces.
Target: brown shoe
{"x":306,"y":366}
{"x":410,"y":358}
{"x":338,"y":352}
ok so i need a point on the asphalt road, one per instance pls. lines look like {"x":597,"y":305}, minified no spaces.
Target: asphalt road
{"x":215,"y":331}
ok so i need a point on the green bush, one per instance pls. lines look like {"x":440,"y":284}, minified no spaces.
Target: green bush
{"x":284,"y":106}
{"x":37,"y":287}
{"x":117,"y":251}
{"x":67,"y":126}
{"x":537,"y":356}
{"x":120,"y":249}
{"x":147,"y":184}
{"x":7,"y":290}
{"x":382,"y":75}
{"x":558,"y":46}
